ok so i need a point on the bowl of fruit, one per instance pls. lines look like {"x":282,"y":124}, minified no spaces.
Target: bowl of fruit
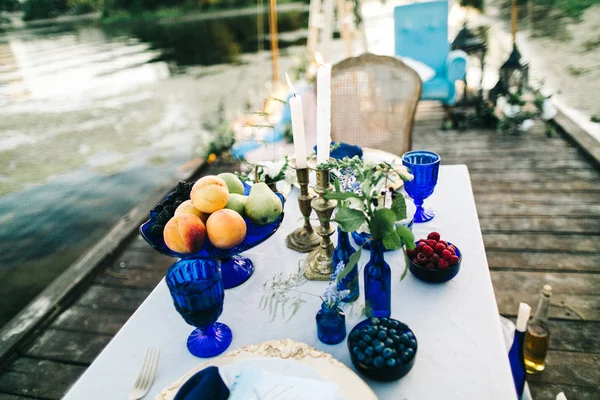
{"x":382,"y":349}
{"x":434,"y":260}
{"x":216,"y":217}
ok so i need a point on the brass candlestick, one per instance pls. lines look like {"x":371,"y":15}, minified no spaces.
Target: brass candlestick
{"x":304,"y":239}
{"x":318,"y":262}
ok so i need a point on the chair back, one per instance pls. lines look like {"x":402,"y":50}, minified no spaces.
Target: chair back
{"x":421,"y":33}
{"x":373,"y":102}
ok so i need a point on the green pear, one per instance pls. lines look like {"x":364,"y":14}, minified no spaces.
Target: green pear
{"x":233,"y":182}
{"x":263,"y":206}
{"x":236,"y":202}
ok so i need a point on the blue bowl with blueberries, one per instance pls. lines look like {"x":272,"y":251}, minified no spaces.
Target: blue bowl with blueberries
{"x":382,"y":349}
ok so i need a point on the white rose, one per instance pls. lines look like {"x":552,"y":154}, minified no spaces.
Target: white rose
{"x":511,"y":111}
{"x":548,"y":110}
{"x":526,"y":125}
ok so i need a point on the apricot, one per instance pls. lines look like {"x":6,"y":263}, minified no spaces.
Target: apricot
{"x":185,"y":233}
{"x":209,"y":194}
{"x":226,"y":229}
{"x":187,"y":207}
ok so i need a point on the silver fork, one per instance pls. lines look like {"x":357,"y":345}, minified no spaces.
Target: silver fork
{"x":145,"y":378}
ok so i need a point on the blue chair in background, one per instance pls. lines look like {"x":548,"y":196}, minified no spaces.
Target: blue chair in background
{"x":421,"y":33}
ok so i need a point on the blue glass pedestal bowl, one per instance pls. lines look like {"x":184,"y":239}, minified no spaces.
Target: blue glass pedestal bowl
{"x":366,"y":347}
{"x":235,"y":269}
{"x":436,"y":275}
{"x":424,"y":165}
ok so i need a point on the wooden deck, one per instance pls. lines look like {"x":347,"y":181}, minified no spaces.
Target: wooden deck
{"x":538,"y":200}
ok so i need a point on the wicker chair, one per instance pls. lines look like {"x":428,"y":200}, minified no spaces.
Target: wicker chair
{"x":373,"y":102}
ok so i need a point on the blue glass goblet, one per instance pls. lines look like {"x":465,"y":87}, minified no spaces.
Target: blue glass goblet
{"x":197,"y":291}
{"x":424,"y":165}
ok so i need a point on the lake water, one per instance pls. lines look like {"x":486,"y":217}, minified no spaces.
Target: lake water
{"x":93,"y":118}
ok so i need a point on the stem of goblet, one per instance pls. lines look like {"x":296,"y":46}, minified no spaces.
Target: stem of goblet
{"x":207,"y":330}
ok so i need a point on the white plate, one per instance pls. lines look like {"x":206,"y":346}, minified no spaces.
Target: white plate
{"x":284,"y":357}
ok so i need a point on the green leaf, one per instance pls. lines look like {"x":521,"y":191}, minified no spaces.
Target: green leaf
{"x":407,"y":236}
{"x":336,"y":185}
{"x":399,"y":207}
{"x":382,"y":222}
{"x":406,"y":261}
{"x":340,"y":195}
{"x":352,"y":261}
{"x":392,"y":241}
{"x":349,"y":219}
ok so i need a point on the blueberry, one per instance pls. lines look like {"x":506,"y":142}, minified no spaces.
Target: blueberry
{"x":398,"y":361}
{"x":385,"y":321}
{"x":387,"y":353}
{"x":360,"y":356}
{"x":390,"y":362}
{"x":367,"y":338}
{"x":396,"y":338}
{"x":378,"y":362}
{"x":362,"y":344}
{"x":388,"y":342}
{"x":369,"y":361}
{"x":410,"y":335}
{"x":353,"y":336}
{"x":377,"y":346}
{"x":404,"y":357}
{"x":383,"y":329}
{"x":404,"y":339}
{"x":381,"y":335}
{"x":392,"y":331}
{"x":369,"y":351}
{"x":409,"y":352}
{"x":394,"y":324}
{"x":375,"y":321}
{"x":412,"y":343}
{"x":372,"y":331}
{"x":355,"y":350}
{"x":401,"y":348}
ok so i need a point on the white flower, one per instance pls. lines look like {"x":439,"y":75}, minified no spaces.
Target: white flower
{"x":526,"y":125}
{"x":528,"y":97}
{"x":548,"y":110}
{"x":498,"y":111}
{"x":513,"y":89}
{"x":511,"y":111}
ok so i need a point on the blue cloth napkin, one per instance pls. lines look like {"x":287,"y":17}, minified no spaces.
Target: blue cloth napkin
{"x":204,"y":385}
{"x":345,"y":150}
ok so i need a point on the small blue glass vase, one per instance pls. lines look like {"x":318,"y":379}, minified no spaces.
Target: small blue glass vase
{"x":331,"y":325}
{"x":378,"y":282}
{"x":424,"y":165}
{"x":342,"y":253}
{"x":197,"y":291}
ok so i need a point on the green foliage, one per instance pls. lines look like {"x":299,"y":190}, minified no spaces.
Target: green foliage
{"x":352,"y":261}
{"x":41,"y":9}
{"x":9,"y":5}
{"x":349,"y":219}
{"x":85,"y":6}
{"x":476,"y":4}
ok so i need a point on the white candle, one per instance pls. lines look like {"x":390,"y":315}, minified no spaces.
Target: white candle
{"x":297,"y":126}
{"x":323,"y":109}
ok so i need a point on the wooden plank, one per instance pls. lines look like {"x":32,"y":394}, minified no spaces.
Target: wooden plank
{"x":85,"y":319}
{"x":39,"y":378}
{"x":568,"y":368}
{"x":580,"y":336}
{"x":143,"y":259}
{"x":6,"y":396}
{"x":587,"y":305}
{"x":537,"y":197}
{"x":582,"y":139}
{"x":542,"y":242}
{"x":543,"y":261}
{"x":539,"y":224}
{"x":125,"y":276}
{"x":534,"y":176}
{"x":545,"y":391}
{"x":517,"y":209}
{"x":67,"y":346}
{"x":101,"y":298}
{"x":481,"y":184}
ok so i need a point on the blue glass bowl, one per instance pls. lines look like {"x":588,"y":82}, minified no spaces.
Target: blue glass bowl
{"x":384,"y":373}
{"x":235,"y":269}
{"x":345,"y":150}
{"x":436,"y":275}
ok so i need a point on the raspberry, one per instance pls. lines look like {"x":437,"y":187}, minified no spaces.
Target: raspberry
{"x":421,"y":258}
{"x":452,"y":249}
{"x":453,"y":260}
{"x":427,"y":250}
{"x":439,"y":248}
{"x":431,"y":243}
{"x":414,"y":260}
{"x":446,"y":254}
{"x":443,"y":264}
{"x":429,"y":266}
{"x":411,"y":253}
{"x":434,"y":258}
{"x":419,"y":247}
{"x":434,"y":235}
{"x":443,"y":242}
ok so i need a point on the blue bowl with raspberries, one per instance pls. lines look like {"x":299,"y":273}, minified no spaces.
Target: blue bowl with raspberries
{"x":382,"y":349}
{"x":434,"y":260}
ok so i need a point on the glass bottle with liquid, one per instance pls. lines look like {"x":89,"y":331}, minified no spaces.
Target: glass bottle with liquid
{"x":537,"y":337}
{"x":515,"y":354}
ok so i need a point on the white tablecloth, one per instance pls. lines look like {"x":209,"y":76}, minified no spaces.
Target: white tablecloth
{"x":461,"y":352}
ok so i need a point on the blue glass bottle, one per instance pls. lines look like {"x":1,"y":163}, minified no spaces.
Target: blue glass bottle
{"x":378,"y":281}
{"x":331,"y":324}
{"x":515,"y":355}
{"x":342,"y":253}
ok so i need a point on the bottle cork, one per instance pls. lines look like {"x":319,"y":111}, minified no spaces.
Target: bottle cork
{"x":523,"y":317}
